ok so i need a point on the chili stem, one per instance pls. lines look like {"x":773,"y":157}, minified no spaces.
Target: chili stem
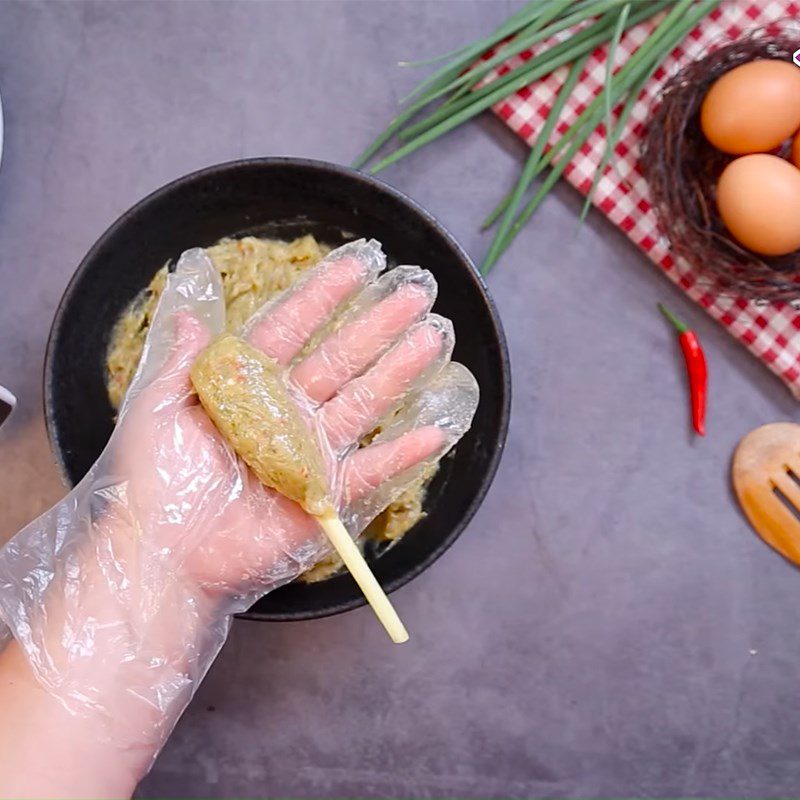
{"x":680,"y":326}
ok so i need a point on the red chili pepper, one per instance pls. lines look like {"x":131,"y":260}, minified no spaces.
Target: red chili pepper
{"x":695,"y":368}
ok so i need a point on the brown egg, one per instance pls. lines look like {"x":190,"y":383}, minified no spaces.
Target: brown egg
{"x":752,"y":108}
{"x":758,"y":197}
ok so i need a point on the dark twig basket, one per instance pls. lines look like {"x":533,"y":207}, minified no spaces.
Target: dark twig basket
{"x":682,"y":170}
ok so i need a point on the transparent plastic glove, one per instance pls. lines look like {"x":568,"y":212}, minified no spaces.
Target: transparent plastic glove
{"x":121,"y":595}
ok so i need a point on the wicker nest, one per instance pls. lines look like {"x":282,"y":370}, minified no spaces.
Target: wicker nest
{"x":682,"y":170}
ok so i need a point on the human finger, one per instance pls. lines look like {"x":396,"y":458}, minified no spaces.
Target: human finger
{"x":283,"y":326}
{"x":190,"y":312}
{"x":430,"y":423}
{"x":368,"y":467}
{"x":392,"y":304}
{"x":363,"y":402}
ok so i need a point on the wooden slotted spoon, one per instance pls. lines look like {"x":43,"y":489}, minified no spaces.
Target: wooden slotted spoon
{"x":766,"y":478}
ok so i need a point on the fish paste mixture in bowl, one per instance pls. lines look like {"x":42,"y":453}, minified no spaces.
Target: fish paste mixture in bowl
{"x":253,"y":271}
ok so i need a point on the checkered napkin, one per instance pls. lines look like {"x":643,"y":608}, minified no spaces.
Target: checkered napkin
{"x":771,"y":331}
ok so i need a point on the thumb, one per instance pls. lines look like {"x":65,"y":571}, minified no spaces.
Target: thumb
{"x":190,"y":312}
{"x":191,"y":335}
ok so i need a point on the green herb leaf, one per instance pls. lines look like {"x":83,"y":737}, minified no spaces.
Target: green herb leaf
{"x":532,"y":166}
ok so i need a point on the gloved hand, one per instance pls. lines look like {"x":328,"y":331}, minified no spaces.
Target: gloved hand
{"x":121,"y":595}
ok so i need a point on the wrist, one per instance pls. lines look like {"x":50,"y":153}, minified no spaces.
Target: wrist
{"x":78,"y":762}
{"x":118,"y":651}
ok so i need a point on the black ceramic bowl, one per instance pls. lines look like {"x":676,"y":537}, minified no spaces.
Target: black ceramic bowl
{"x":282,"y":197}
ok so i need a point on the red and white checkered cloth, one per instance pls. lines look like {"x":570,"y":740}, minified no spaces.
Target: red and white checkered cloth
{"x":771,"y":331}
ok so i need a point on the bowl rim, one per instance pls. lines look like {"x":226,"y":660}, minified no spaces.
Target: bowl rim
{"x":380,"y":186}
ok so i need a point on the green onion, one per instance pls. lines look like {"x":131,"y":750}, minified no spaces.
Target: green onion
{"x":525,"y":39}
{"x":612,"y":57}
{"x":490,"y":95}
{"x":528,"y":15}
{"x":469,"y":53}
{"x":503,"y":204}
{"x":535,"y":157}
{"x":582,"y":42}
{"x":457,"y":85}
{"x":671,"y":37}
{"x":532,"y":205}
{"x":627,"y":74}
{"x":612,"y":137}
{"x":448,"y":117}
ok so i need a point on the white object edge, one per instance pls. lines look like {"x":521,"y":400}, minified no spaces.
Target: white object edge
{"x":7,"y":398}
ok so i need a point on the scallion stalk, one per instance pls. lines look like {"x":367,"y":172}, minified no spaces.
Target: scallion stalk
{"x":488,"y":96}
{"x":612,"y":135}
{"x":528,"y":13}
{"x":457,"y":83}
{"x":532,"y":164}
{"x":584,"y":41}
{"x":465,"y":56}
{"x":612,"y":57}
{"x":527,"y":38}
{"x":670,"y":38}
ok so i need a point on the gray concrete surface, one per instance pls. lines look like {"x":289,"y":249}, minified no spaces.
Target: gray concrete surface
{"x":608,"y":625}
